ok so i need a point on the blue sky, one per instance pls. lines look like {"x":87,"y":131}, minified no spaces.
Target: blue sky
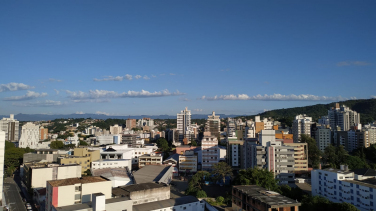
{"x":157,"y":57}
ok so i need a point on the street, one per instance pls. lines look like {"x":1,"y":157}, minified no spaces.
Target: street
{"x":12,"y":196}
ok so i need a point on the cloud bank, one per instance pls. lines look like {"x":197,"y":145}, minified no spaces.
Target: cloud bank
{"x":121,"y":78}
{"x":28,"y":96}
{"x":105,"y":94}
{"x":46,"y":103}
{"x":14,"y":87}
{"x":274,"y":97}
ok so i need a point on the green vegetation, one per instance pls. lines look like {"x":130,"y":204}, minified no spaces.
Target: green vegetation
{"x":313,"y":203}
{"x":105,"y":124}
{"x":196,"y":183}
{"x":57,"y":145}
{"x":83,"y":143}
{"x":256,"y":176}
{"x":313,"y":151}
{"x":366,"y":108}
{"x":13,"y":157}
{"x":222,"y":170}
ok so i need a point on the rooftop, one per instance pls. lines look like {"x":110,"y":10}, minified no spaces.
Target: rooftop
{"x":148,"y":155}
{"x":88,"y":205}
{"x":271,"y":198}
{"x":365,"y":172}
{"x":337,"y":171}
{"x":151,"y":173}
{"x":371,"y":182}
{"x":126,"y":190}
{"x":110,"y":172}
{"x":72,"y":181}
{"x":165,"y":203}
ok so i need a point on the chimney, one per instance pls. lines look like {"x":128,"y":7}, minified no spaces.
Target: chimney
{"x":11,"y":116}
{"x":342,"y":167}
{"x":98,"y":202}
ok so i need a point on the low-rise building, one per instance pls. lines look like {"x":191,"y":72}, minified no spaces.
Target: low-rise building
{"x":300,"y":157}
{"x":75,"y":191}
{"x":253,"y":197}
{"x":111,"y":163}
{"x":154,"y":173}
{"x":143,"y":193}
{"x":149,"y":159}
{"x":118,"y":176}
{"x":82,"y":156}
{"x":35,"y":175}
{"x":186,"y":203}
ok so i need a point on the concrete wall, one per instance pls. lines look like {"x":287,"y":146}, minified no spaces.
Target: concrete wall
{"x":104,"y":187}
{"x":150,"y":195}
{"x":69,"y":172}
{"x":65,"y":195}
{"x":120,"y":206}
{"x":40,"y":176}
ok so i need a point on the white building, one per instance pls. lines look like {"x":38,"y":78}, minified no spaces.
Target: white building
{"x":183,"y":123}
{"x":73,"y":140}
{"x":145,"y":122}
{"x":116,"y":129}
{"x":123,"y":152}
{"x":343,"y":117}
{"x":301,"y":125}
{"x":111,"y":163}
{"x":185,"y":203}
{"x":107,"y":139}
{"x":325,"y":121}
{"x":29,"y":136}
{"x":210,"y":152}
{"x":323,"y":138}
{"x":2,"y":150}
{"x":11,"y":128}
{"x":370,"y":134}
{"x":268,"y":124}
{"x":342,"y":185}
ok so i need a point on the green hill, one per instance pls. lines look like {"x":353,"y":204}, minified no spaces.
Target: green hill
{"x":366,"y":108}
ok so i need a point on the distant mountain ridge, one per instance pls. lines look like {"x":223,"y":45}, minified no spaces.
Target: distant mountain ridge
{"x":366,"y":108}
{"x":40,"y":117}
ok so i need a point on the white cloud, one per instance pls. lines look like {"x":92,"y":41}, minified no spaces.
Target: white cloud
{"x":104,"y":113}
{"x":153,"y":76}
{"x":356,"y":63}
{"x":28,"y":96}
{"x":14,"y":87}
{"x":57,"y":91}
{"x":46,"y":103}
{"x":80,"y":112}
{"x":146,"y":77}
{"x":138,"y":77}
{"x":116,"y":78}
{"x":104,"y":94}
{"x":275,"y":97}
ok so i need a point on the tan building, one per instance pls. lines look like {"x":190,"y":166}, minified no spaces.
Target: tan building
{"x":43,"y":132}
{"x":82,"y":156}
{"x":35,"y":175}
{"x":300,"y":156}
{"x":213,"y":125}
{"x":149,"y":159}
{"x":72,"y":191}
{"x":188,"y":162}
{"x":130,"y":123}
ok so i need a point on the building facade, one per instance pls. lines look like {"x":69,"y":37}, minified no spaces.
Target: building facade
{"x":29,"y":136}
{"x":301,"y":125}
{"x":116,"y":129}
{"x":213,"y":125}
{"x":183,"y":124}
{"x":210,"y":152}
{"x":11,"y":128}
{"x":188,"y":162}
{"x":343,"y":117}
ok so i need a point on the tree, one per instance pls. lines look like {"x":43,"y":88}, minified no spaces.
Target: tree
{"x":313,"y":151}
{"x":83,"y":143}
{"x":13,"y":157}
{"x":256,"y":176}
{"x":219,"y":199}
{"x":355,"y":162}
{"x":293,"y":193}
{"x":313,"y":203}
{"x":329,"y":157}
{"x":196,"y":182}
{"x":193,"y":143}
{"x":88,"y":172}
{"x":57,"y":145}
{"x":163,"y":144}
{"x":201,"y":194}
{"x":222,"y":170}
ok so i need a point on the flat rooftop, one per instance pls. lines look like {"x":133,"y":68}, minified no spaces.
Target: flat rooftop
{"x":126,"y":190}
{"x":165,"y":203}
{"x":110,"y":172}
{"x":337,"y":171}
{"x":371,"y":182}
{"x":89,"y":204}
{"x":150,"y":173}
{"x":72,"y":181}
{"x":271,"y":198}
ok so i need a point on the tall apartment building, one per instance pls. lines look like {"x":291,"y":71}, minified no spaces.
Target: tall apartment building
{"x":274,"y":156}
{"x":11,"y":128}
{"x":324,"y":121}
{"x":213,"y":125}
{"x":300,"y":157}
{"x":43,"y":133}
{"x":350,"y":140}
{"x":343,"y":117}
{"x":183,"y":124}
{"x":253,"y":197}
{"x":234,"y":153}
{"x":250,"y":130}
{"x":130,"y":123}
{"x":2,"y":151}
{"x":301,"y":125}
{"x":370,"y":135}
{"x":145,"y":122}
{"x":231,"y":127}
{"x":116,"y":129}
{"x":73,"y":191}
{"x":323,"y":138}
{"x":29,"y":136}
{"x":188,"y":162}
{"x":342,"y":185}
{"x":210,"y":152}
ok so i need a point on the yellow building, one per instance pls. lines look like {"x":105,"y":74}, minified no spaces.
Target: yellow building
{"x":300,"y":156}
{"x":82,"y":156}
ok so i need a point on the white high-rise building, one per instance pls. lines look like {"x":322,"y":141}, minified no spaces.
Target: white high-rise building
{"x":210,"y":152}
{"x":183,"y":123}
{"x":343,"y":117}
{"x":11,"y":128}
{"x":29,"y":136}
{"x":301,"y":125}
{"x":2,"y":149}
{"x":116,"y":129}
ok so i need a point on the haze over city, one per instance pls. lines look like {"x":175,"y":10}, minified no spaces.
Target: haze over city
{"x":153,"y":57}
